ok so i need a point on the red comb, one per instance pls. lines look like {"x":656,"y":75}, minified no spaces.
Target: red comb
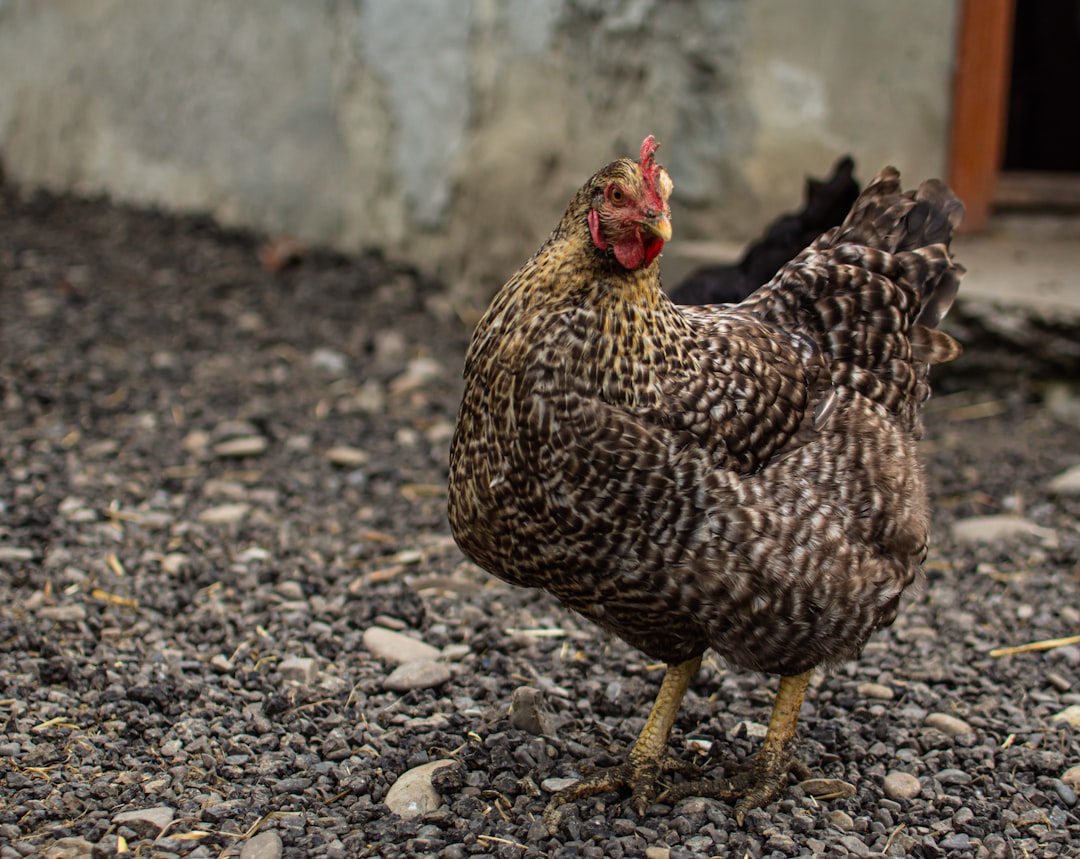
{"x":647,"y":158}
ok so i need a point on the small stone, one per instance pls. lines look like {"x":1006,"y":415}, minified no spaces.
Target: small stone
{"x":1066,"y":483}
{"x":992,"y":529}
{"x":70,"y":848}
{"x":224,"y":514}
{"x":413,"y":794}
{"x":196,"y":441}
{"x":455,"y":652}
{"x":1067,"y":794}
{"x":854,"y":846}
{"x":302,"y":670}
{"x":901,"y":785}
{"x":418,"y":373}
{"x":347,"y":457}
{"x":657,"y":853}
{"x":256,"y":553}
{"x":248,"y":445}
{"x":1070,"y":714}
{"x":147,"y":822}
{"x":1071,"y":777}
{"x":827,"y":788}
{"x":265,"y":845}
{"x":62,"y":613}
{"x":397,"y":648}
{"x":555,"y":784}
{"x":953,"y":776}
{"x":420,"y":674}
{"x":878,"y":691}
{"x":528,"y":712}
{"x":290,"y":589}
{"x":692,"y":805}
{"x":1058,"y":681}
{"x":951,"y":725}
{"x":15,"y":553}
{"x":959,"y":841}
{"x":841,"y":820}
{"x":329,"y":360}
{"x":174,"y":562}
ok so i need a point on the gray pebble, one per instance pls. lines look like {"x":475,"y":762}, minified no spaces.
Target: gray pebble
{"x":302,"y":670}
{"x":1066,"y":793}
{"x":413,"y":794}
{"x":554,"y":784}
{"x":347,"y":457}
{"x":397,"y":648}
{"x":953,"y":776}
{"x":224,"y":514}
{"x":1066,"y":483}
{"x":841,"y":820}
{"x":529,"y":713}
{"x":235,"y":448}
{"x":421,"y":674}
{"x":854,"y":846}
{"x":147,"y":822}
{"x":959,"y":841}
{"x":951,"y":725}
{"x":70,"y":848}
{"x":16,"y":553}
{"x":875,"y":690}
{"x":1070,"y":714}
{"x":901,"y":785}
{"x":265,"y":845}
{"x":62,"y":613}
{"x":993,"y":529}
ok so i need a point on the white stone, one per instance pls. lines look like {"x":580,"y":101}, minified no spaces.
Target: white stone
{"x":421,"y":674}
{"x":302,"y":670}
{"x":265,"y":845}
{"x":396,"y":647}
{"x":947,"y":724}
{"x":413,"y":794}
{"x":989,"y":529}
{"x":901,"y":785}
{"x":224,"y":514}
{"x":248,"y":445}
{"x":346,"y":457}
{"x":1066,"y":483}
{"x":148,"y":822}
{"x":1070,"y":714}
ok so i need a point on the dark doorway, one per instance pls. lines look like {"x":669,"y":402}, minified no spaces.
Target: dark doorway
{"x":1043,"y":131}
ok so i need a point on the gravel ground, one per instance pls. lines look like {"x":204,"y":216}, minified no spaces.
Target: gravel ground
{"x":222,"y":496}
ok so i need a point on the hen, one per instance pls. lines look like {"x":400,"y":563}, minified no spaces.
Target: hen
{"x":736,"y":477}
{"x":827,"y":203}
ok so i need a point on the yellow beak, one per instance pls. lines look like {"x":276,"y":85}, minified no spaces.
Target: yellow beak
{"x":659,"y":225}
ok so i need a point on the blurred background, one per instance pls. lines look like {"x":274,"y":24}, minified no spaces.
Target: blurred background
{"x":452,"y":134}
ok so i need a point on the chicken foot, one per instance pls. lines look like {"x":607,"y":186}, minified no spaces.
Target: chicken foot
{"x":648,"y":759}
{"x":763,"y":780}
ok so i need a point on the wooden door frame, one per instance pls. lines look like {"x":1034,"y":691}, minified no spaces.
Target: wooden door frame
{"x":980,"y":103}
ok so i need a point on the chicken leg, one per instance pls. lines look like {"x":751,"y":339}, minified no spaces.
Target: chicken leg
{"x":758,"y":784}
{"x":762,"y":781}
{"x":648,"y":758}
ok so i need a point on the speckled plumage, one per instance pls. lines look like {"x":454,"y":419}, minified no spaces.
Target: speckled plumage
{"x":738,"y":477}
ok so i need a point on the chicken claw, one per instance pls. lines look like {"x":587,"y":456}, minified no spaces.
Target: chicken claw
{"x":648,"y":759}
{"x":640,"y":776}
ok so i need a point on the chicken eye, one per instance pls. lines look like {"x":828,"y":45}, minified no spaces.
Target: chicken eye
{"x":618,"y":196}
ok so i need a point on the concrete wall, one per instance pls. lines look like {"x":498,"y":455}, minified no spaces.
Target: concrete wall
{"x":452,"y":133}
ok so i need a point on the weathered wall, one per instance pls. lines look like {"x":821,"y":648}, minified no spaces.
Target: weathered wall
{"x":452,"y":133}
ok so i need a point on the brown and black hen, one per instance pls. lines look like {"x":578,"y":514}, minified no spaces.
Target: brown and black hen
{"x":736,"y":477}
